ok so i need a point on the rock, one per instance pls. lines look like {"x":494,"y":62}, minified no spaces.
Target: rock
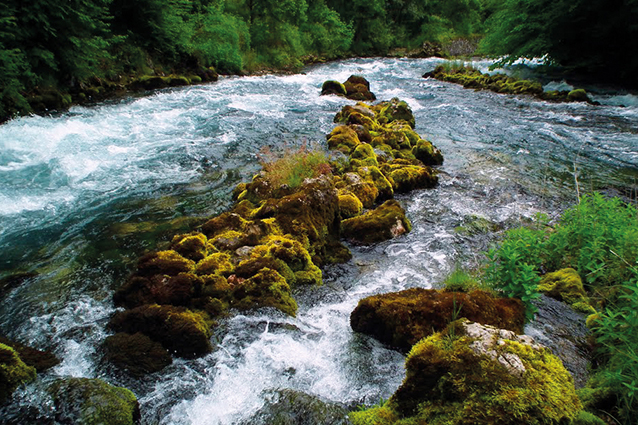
{"x":401,"y":319}
{"x":82,"y":401}
{"x":181,"y":331}
{"x":40,"y":360}
{"x":563,"y":330}
{"x":566,"y":285}
{"x":578,"y":95}
{"x":290,"y":407}
{"x":405,"y":177}
{"x":136,"y":354}
{"x":13,"y":371}
{"x":425,"y":152}
{"x":267,"y":288}
{"x":385,"y":222}
{"x":349,"y":205}
{"x":395,"y":110}
{"x":192,"y":247}
{"x":333,"y":87}
{"x":476,"y":374}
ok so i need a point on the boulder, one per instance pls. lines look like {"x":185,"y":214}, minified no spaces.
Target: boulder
{"x":566,"y":285}
{"x":13,"y":371}
{"x":385,"y":222}
{"x":82,"y":401}
{"x":476,"y":374}
{"x":40,"y":360}
{"x":136,"y":354}
{"x":333,"y":87}
{"x":181,"y":331}
{"x":401,"y":319}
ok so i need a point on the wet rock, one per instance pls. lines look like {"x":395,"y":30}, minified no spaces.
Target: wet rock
{"x":181,"y":331}
{"x":333,"y":87}
{"x":561,"y":329}
{"x":395,"y":110}
{"x":401,"y":319}
{"x":385,"y":222}
{"x":476,"y":374}
{"x":290,"y":407}
{"x":267,"y":288}
{"x":13,"y":371}
{"x":82,"y":401}
{"x":40,"y":360}
{"x":136,"y":354}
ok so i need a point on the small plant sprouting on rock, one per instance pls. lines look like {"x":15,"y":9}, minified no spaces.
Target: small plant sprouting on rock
{"x":292,"y":166}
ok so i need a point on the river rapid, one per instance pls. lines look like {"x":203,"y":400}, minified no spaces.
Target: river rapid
{"x":84,"y":193}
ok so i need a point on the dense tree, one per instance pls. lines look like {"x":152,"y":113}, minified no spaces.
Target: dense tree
{"x":595,"y":36}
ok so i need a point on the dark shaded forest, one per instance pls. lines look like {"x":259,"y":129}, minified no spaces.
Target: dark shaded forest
{"x":68,"y":46}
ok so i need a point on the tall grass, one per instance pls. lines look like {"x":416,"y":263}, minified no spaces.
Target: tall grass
{"x":293,"y":165}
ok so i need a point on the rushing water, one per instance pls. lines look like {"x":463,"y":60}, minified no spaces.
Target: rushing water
{"x":84,"y":193}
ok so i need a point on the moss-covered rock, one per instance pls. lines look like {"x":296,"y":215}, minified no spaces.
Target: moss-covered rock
{"x":192,"y":247}
{"x":13,"y":371}
{"x":358,"y":88}
{"x":349,"y":205}
{"x":164,"y":263}
{"x":566,"y":285}
{"x":136,"y":354}
{"x":373,"y":175}
{"x":475,"y":374}
{"x":267,"y":288}
{"x":405,"y":177}
{"x":394,"y":110}
{"x":578,"y":95}
{"x":82,"y":401}
{"x":181,"y":331}
{"x":333,"y":87}
{"x":344,"y":139}
{"x":40,"y":360}
{"x":385,"y":222}
{"x":159,"y":289}
{"x":425,"y":152}
{"x":401,"y":319}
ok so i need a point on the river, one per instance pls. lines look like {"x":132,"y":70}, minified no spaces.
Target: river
{"x":84,"y":193}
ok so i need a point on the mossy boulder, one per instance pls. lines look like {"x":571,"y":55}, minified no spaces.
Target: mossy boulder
{"x":344,"y":139}
{"x":333,"y":87}
{"x":385,"y":222}
{"x":192,"y":246}
{"x":136,"y":354}
{"x":267,"y":288}
{"x":83,"y":401}
{"x":167,"y":262}
{"x":13,"y":371}
{"x":183,"y":332}
{"x":394,"y":110}
{"x":401,"y":319}
{"x":406,"y":177}
{"x":349,"y":205}
{"x":566,"y":285}
{"x":373,"y":175}
{"x":364,"y":190}
{"x":425,"y":152}
{"x":578,"y":95}
{"x":358,"y":88}
{"x":159,"y":288}
{"x":476,"y":374}
{"x":40,"y":360}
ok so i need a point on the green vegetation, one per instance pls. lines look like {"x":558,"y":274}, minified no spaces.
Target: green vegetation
{"x":593,"y":36}
{"x":292,"y":167}
{"x":53,"y":53}
{"x":598,"y":238}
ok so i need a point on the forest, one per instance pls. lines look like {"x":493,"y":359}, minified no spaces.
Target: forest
{"x":67,"y":46}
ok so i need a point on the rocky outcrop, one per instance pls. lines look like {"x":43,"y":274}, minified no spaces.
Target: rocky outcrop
{"x":477,"y":374}
{"x":501,"y":83}
{"x":355,"y":87}
{"x":401,"y":319}
{"x":13,"y":371}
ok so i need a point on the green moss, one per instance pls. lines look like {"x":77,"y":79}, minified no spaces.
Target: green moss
{"x":333,"y":87}
{"x":13,"y":371}
{"x":164,"y":262}
{"x":191,"y":246}
{"x":566,"y":285}
{"x":425,"y":152}
{"x":456,"y":379}
{"x":586,"y":418}
{"x":85,"y":401}
{"x":394,"y":110}
{"x":265,"y":289}
{"x":401,"y":319}
{"x":578,"y":95}
{"x":344,"y":139}
{"x":218,"y":263}
{"x":406,"y":178}
{"x":385,"y":222}
{"x":181,"y":331}
{"x":350,"y":205}
{"x":136,"y":354}
{"x":375,"y":176}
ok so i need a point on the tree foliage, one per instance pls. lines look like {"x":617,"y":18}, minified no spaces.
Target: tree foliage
{"x":596,"y":36}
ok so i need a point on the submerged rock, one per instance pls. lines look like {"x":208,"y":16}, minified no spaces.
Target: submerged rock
{"x":401,"y":319}
{"x":476,"y":374}
{"x":290,"y":407}
{"x":82,"y":401}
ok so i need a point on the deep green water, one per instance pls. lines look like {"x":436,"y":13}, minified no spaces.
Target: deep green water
{"x":84,"y":193}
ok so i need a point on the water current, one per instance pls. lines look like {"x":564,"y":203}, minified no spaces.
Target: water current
{"x":84,"y":193}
